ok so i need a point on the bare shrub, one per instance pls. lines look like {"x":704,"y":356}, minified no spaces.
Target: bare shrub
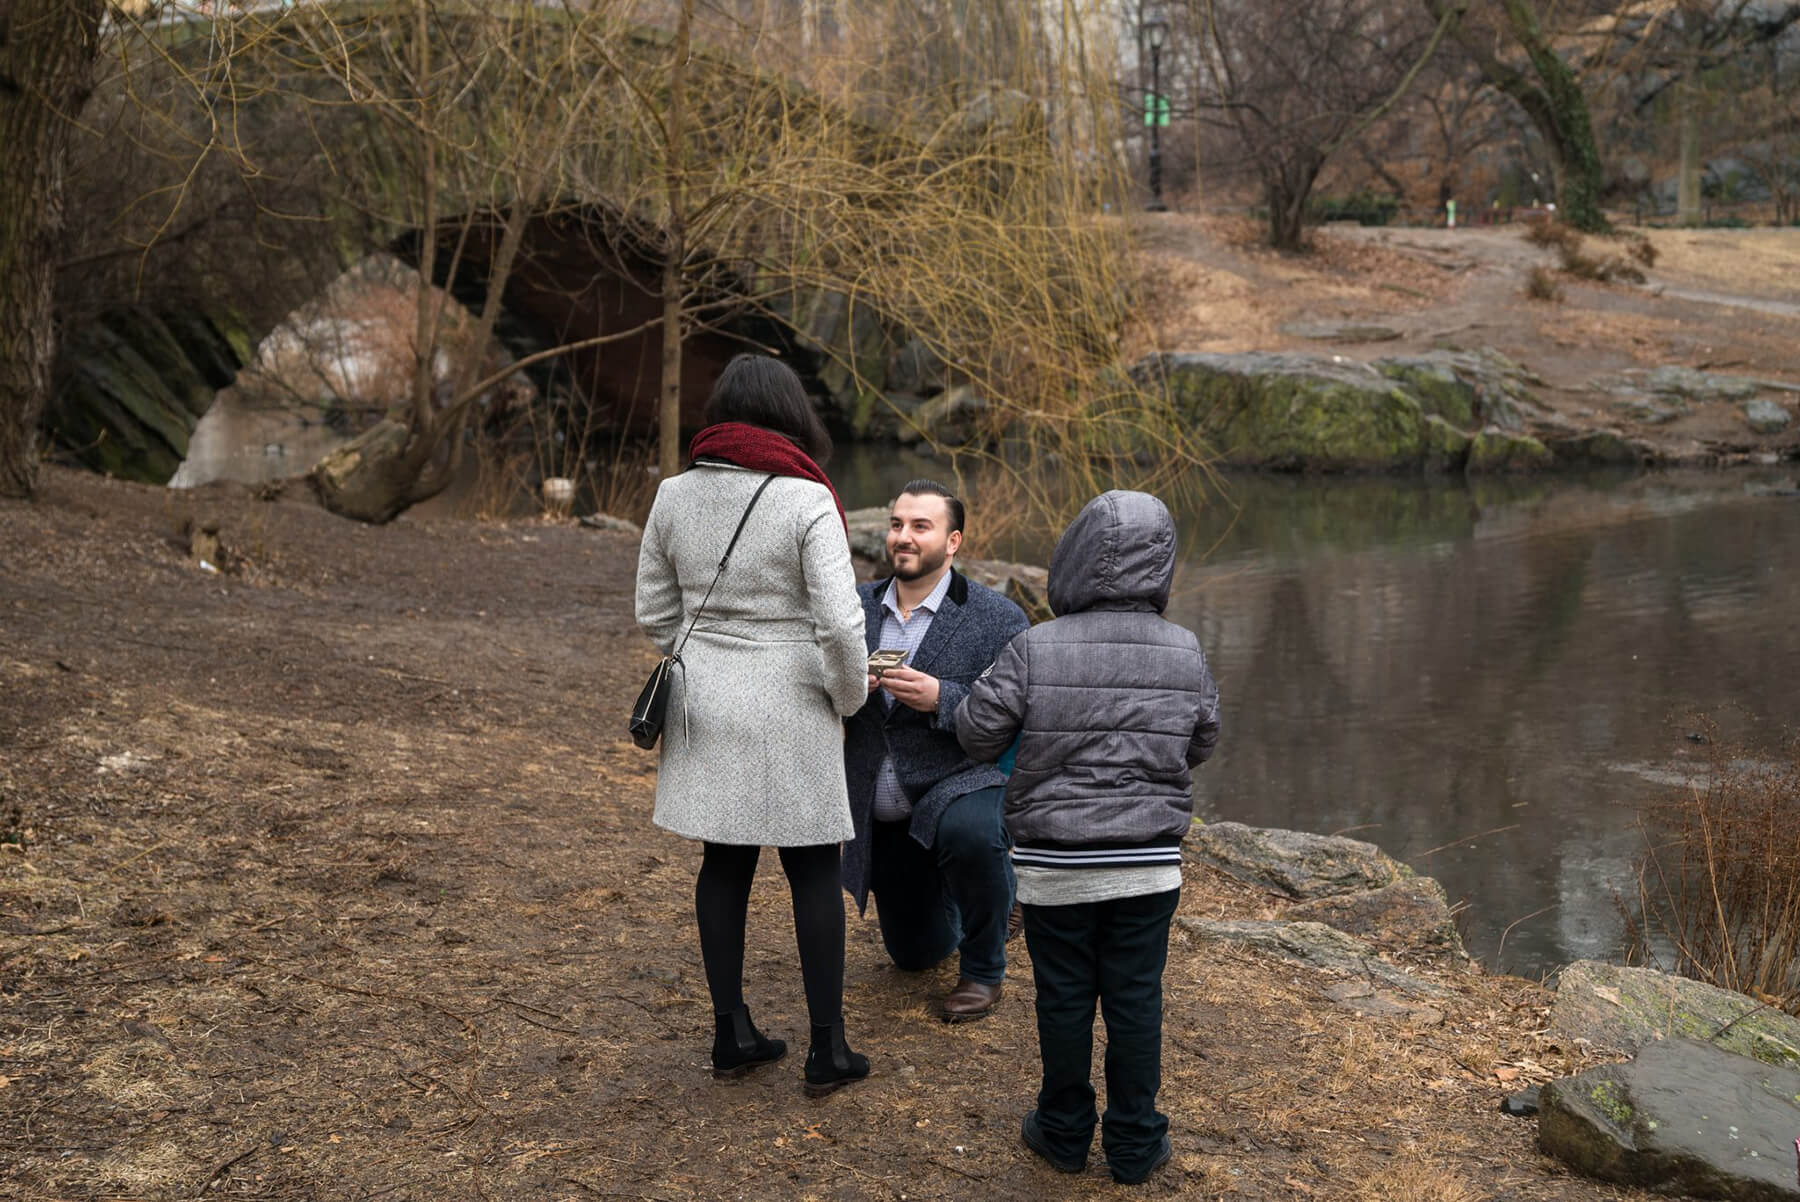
{"x":1571,"y":252}
{"x":1553,"y":235}
{"x":1642,"y":249}
{"x":1718,"y":886}
{"x":1542,"y":285}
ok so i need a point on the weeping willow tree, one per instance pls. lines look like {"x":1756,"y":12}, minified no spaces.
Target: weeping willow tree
{"x":939,"y":169}
{"x":953,"y":184}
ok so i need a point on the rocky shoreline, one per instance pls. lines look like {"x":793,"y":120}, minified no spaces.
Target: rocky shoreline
{"x":1697,"y":1091}
{"x":1473,"y":411}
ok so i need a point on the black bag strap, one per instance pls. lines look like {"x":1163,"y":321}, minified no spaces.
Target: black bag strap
{"x":723,"y":560}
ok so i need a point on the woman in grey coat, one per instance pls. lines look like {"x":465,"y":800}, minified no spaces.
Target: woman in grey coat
{"x":753,"y":751}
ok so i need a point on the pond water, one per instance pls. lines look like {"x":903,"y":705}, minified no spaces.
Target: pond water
{"x":1488,"y":680}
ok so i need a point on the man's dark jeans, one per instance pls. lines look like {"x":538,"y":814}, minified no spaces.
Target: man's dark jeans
{"x":956,"y":893}
{"x":1113,"y":951}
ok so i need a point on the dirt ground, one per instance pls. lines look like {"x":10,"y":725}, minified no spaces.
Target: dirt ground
{"x":331,"y":876}
{"x":1724,"y":300}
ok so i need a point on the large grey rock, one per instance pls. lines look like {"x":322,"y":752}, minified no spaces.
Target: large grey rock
{"x":1623,"y":1009}
{"x":1469,"y":388}
{"x":868,"y":532}
{"x":1652,"y":412}
{"x":1292,"y":411}
{"x":1694,"y":385}
{"x":1340,"y":331}
{"x":1683,"y":1118}
{"x":1410,"y":915}
{"x":1766,"y":417}
{"x":1024,"y":585}
{"x":1315,"y":945}
{"x":1329,"y":413}
{"x":852,"y":343}
{"x":1295,"y":863}
{"x":951,"y":418}
{"x":916,"y":368}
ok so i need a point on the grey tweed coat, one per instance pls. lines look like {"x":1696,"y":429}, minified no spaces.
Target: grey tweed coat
{"x":753,"y":752}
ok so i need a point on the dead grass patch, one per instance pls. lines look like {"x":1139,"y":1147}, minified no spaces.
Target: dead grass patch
{"x":1414,"y":1178}
{"x":1758,"y":262}
{"x":1541,"y":284}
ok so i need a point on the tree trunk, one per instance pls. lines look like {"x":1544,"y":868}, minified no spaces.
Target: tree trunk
{"x":1286,"y":191}
{"x":669,"y":415}
{"x":1551,"y":97}
{"x":47,"y":53}
{"x":1687,"y":193}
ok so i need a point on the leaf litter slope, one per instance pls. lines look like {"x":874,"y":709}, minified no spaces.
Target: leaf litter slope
{"x":338,"y":881}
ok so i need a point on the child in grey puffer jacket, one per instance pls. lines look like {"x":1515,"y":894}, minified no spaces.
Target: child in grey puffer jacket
{"x":1111,"y":706}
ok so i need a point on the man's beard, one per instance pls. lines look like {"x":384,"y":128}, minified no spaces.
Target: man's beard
{"x":926,"y":565}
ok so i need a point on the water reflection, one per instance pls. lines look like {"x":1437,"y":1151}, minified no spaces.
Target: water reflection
{"x":1477,"y":677}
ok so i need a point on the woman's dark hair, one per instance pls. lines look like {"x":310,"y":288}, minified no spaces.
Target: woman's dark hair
{"x":765,"y":392}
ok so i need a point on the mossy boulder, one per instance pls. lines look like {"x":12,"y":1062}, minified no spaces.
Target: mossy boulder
{"x":1446,"y":447}
{"x":1601,"y":448}
{"x":1683,"y":1118}
{"x":1623,"y":1009}
{"x":1497,"y":450}
{"x":1468,"y":388}
{"x":1292,"y":412}
{"x":1441,"y":381}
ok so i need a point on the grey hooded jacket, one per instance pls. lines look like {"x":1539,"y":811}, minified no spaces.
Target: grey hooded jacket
{"x":1111,"y":704}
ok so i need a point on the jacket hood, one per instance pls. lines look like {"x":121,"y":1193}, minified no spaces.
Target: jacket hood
{"x":1118,"y":553}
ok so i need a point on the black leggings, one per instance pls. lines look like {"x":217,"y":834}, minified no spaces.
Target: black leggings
{"x":722,"y":903}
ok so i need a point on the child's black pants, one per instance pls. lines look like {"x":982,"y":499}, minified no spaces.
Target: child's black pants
{"x":1113,"y":951}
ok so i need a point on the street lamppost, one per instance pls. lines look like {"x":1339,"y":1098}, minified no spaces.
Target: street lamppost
{"x":1156,"y":36}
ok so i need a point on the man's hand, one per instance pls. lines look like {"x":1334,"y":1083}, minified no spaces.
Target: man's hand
{"x":874,"y":682}
{"x":911,"y":688}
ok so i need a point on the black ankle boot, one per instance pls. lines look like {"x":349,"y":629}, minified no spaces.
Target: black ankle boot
{"x":830,"y":1064}
{"x":739,"y":1047}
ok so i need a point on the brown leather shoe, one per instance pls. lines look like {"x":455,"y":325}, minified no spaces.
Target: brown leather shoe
{"x":970,"y":1000}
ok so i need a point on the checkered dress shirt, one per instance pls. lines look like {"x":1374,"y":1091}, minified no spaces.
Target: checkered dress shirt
{"x":897,"y":634}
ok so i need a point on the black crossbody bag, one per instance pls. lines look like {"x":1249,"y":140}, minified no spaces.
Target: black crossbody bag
{"x":652,"y":709}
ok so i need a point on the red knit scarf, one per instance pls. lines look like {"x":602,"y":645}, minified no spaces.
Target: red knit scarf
{"x":764,"y":451}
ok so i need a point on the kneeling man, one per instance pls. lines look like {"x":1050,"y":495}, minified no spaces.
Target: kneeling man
{"x":930,"y":841}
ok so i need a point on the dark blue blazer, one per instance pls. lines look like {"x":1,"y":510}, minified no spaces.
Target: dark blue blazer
{"x":966,"y":633}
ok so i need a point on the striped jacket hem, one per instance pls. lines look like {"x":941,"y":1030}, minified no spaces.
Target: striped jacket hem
{"x":1130,"y":856}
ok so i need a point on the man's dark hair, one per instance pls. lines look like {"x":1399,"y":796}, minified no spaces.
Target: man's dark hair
{"x":765,"y":392}
{"x":931,"y":488}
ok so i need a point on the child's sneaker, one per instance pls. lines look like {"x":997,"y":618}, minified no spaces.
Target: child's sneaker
{"x":1033,"y":1135}
{"x":1163,"y":1154}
